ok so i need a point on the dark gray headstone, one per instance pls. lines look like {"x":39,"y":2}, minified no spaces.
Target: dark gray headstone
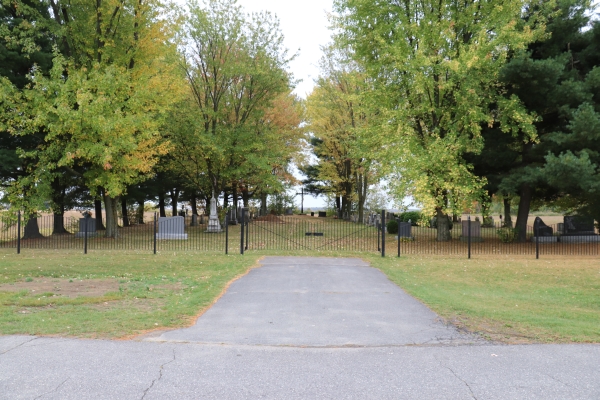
{"x":405,"y":229}
{"x":322,"y":214}
{"x":289,"y":211}
{"x":312,"y":214}
{"x":91,"y":227}
{"x":541,"y":229}
{"x":575,"y":225}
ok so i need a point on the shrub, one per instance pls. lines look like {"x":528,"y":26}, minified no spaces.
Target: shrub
{"x":507,"y":235}
{"x":392,"y":226}
{"x":413,"y":216}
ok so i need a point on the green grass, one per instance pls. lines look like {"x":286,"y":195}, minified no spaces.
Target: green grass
{"x":509,"y":299}
{"x":166,"y":290}
{"x":512,"y":299}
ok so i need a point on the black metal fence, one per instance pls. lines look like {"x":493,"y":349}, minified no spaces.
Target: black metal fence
{"x":295,"y":233}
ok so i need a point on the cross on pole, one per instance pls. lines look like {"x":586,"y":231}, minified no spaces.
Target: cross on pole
{"x":302,"y":200}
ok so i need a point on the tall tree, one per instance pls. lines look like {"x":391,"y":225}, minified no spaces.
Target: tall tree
{"x":435,"y":65}
{"x":103,"y":105}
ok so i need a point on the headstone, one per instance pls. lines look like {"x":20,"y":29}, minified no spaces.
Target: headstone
{"x":577,"y":225}
{"x":475,"y":231}
{"x":322,"y":214}
{"x":312,"y":214}
{"x":232,"y":216}
{"x":213,"y":220}
{"x":171,"y":228}
{"x":541,"y":229}
{"x":91,"y":227}
{"x":405,"y":230}
{"x":289,"y":211}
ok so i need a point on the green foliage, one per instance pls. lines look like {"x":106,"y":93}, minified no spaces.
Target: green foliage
{"x":508,"y":235}
{"x":392,"y":226}
{"x":435,"y":66}
{"x":415,"y":217}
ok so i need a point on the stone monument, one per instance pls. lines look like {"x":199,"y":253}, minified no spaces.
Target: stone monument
{"x":475,"y":231}
{"x":542,"y":232}
{"x":213,"y":220}
{"x":579,"y":229}
{"x":91,"y":227}
{"x":171,"y":228}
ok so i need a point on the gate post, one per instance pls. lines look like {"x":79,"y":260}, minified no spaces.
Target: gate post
{"x":382,"y":233}
{"x":226,"y":232}
{"x":242,"y":231}
{"x":469,"y":235}
{"x":19,"y":232}
{"x":398,"y":221}
{"x":247,"y":222}
{"x":154,"y":236}
{"x":85,"y":234}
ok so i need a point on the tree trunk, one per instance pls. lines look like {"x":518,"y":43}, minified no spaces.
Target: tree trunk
{"x":161,"y":205}
{"x":98,"y":215}
{"x":59,"y":223}
{"x":225,"y":200}
{"x":124,"y":211}
{"x":526,"y":194}
{"x":32,"y":229}
{"x":174,"y":200}
{"x":194,"y":203}
{"x":507,"y":217}
{"x":140,"y":212}
{"x":234,"y":198}
{"x":263,"y":204}
{"x":363,"y":186}
{"x":443,"y":226}
{"x":246,"y":197}
{"x":58,"y":208}
{"x":110,"y":205}
{"x":338,"y":205}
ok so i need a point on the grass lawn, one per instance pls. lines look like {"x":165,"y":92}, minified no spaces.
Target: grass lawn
{"x":510,"y":299}
{"x":109,"y":294}
{"x":115,"y":294}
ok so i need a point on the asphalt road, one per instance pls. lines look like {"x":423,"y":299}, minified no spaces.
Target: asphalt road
{"x":301,"y":328}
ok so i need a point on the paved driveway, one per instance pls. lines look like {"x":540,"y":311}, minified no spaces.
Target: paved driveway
{"x":301,"y":328}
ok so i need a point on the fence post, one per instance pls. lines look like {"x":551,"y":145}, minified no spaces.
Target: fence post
{"x":19,"y":232}
{"x":537,"y":241}
{"x":85,"y":232}
{"x":382,"y":233}
{"x":247,"y":222}
{"x":469,"y":235}
{"x":398,"y":222}
{"x":154,"y":236}
{"x":378,"y":234}
{"x":226,"y":233}
{"x":242,"y":231}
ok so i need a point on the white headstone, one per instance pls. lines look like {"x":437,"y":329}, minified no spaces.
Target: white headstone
{"x":213,"y":220}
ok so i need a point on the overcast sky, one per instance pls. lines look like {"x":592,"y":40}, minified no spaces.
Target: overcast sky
{"x":304,"y":25}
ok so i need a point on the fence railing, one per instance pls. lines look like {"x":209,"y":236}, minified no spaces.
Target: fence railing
{"x":295,"y":233}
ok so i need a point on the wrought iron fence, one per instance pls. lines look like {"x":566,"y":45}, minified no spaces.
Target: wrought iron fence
{"x":295,"y":233}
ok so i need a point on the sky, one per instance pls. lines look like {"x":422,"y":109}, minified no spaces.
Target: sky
{"x":304,"y":26}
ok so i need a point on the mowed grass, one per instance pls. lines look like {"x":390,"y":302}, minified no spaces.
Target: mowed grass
{"x":510,"y":299}
{"x":166,"y":290}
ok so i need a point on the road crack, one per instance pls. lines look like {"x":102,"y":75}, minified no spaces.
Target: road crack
{"x":19,"y":345}
{"x":53,"y":390}
{"x":160,"y":375}
{"x":457,"y":377}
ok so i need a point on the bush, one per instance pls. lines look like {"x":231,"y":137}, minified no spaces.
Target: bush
{"x":413,"y":216}
{"x":392,"y":226}
{"x":507,"y":235}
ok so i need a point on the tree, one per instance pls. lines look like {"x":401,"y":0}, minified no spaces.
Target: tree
{"x":337,"y":120}
{"x":229,"y":137}
{"x":557,"y":78}
{"x":435,"y":65}
{"x":104,"y":102}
